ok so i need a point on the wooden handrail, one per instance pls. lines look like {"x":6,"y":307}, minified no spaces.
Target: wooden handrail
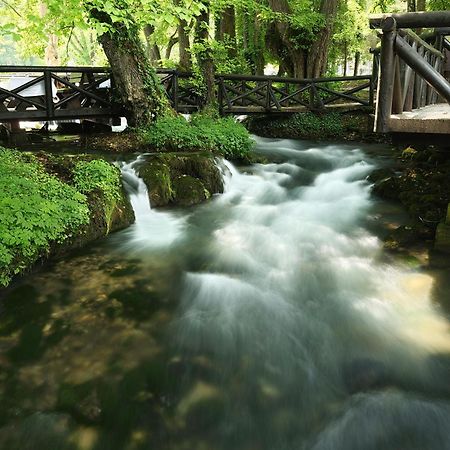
{"x":419,"y":41}
{"x":430,"y":19}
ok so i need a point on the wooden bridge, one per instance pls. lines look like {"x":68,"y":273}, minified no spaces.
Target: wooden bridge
{"x":61,"y":93}
{"x":414,"y":88}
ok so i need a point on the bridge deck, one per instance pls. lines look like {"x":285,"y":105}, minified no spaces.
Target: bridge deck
{"x":433,"y":119}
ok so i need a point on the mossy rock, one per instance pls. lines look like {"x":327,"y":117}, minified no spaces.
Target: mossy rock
{"x":166,"y":175}
{"x":387,"y":188}
{"x":157,"y":177}
{"x":201,"y":166}
{"x":189,"y":191}
{"x":379,"y":175}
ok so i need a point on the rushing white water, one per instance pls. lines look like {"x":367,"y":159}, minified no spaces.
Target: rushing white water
{"x":153,"y":229}
{"x":312,"y":340}
{"x":295,"y":301}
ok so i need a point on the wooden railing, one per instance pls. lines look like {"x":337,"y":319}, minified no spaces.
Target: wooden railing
{"x":245,"y":94}
{"x":411,"y":66}
{"x":56,"y":93}
{"x":61,"y":93}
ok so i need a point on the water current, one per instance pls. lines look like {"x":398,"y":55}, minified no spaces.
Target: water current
{"x":266,"y":319}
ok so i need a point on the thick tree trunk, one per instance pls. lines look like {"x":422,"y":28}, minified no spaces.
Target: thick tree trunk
{"x":185,"y":63}
{"x":280,"y":40}
{"x":227,"y":30}
{"x":153,"y":52}
{"x":139,"y":88}
{"x":204,"y":56}
{"x":318,"y":52}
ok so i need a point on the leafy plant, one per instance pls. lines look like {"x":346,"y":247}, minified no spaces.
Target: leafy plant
{"x":35,"y":210}
{"x":204,"y":132}
{"x":89,"y":176}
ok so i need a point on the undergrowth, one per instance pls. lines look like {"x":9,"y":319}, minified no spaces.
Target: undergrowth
{"x":89,"y":176}
{"x":35,"y":210}
{"x":38,"y":209}
{"x":224,"y":136}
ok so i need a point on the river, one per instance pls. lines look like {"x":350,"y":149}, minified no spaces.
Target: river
{"x":268,"y":318}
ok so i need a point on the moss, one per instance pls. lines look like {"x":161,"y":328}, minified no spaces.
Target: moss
{"x":189,"y":191}
{"x":162,"y":174}
{"x":199,"y":166}
{"x":156,"y":176}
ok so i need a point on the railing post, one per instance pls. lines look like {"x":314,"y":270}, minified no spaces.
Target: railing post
{"x":312,"y":96}
{"x":397,"y":99}
{"x":48,"y":94}
{"x":386,"y":79}
{"x":268,"y":97}
{"x":175,"y":90}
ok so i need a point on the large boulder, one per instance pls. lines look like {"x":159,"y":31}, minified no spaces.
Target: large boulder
{"x":181,"y":179}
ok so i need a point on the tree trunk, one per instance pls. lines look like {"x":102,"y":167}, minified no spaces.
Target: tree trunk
{"x":51,"y":51}
{"x":345,"y":58}
{"x":280,"y":40}
{"x":411,"y":5}
{"x":227,"y":30}
{"x":153,"y":52}
{"x":356,"y":68}
{"x":185,"y":63}
{"x":172,"y":41}
{"x":318,"y":52}
{"x":51,"y":56}
{"x":204,"y":56}
{"x":139,"y":88}
{"x":421,"y":6}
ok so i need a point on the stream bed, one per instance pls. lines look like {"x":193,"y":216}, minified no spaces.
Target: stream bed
{"x":267,"y":318}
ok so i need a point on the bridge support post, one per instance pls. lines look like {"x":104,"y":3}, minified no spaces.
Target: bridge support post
{"x":386,"y":79}
{"x":48,"y":94}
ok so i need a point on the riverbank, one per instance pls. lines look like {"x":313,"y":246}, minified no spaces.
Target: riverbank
{"x":356,"y":125}
{"x":51,"y":204}
{"x":418,"y":180}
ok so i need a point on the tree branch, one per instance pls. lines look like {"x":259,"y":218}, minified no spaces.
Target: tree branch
{"x":11,"y":7}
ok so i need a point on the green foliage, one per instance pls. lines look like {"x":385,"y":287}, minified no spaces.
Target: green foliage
{"x":90,"y":176}
{"x":204,"y":132}
{"x":326,"y":124}
{"x":35,"y":210}
{"x":304,"y":125}
{"x":439,"y":5}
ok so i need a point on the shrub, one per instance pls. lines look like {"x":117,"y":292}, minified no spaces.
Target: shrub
{"x":35,"y":209}
{"x":219,"y":135}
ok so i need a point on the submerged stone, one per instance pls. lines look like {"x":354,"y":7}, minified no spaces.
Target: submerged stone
{"x":202,"y":406}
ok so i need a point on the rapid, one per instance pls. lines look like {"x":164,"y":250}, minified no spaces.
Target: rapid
{"x":265,"y":319}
